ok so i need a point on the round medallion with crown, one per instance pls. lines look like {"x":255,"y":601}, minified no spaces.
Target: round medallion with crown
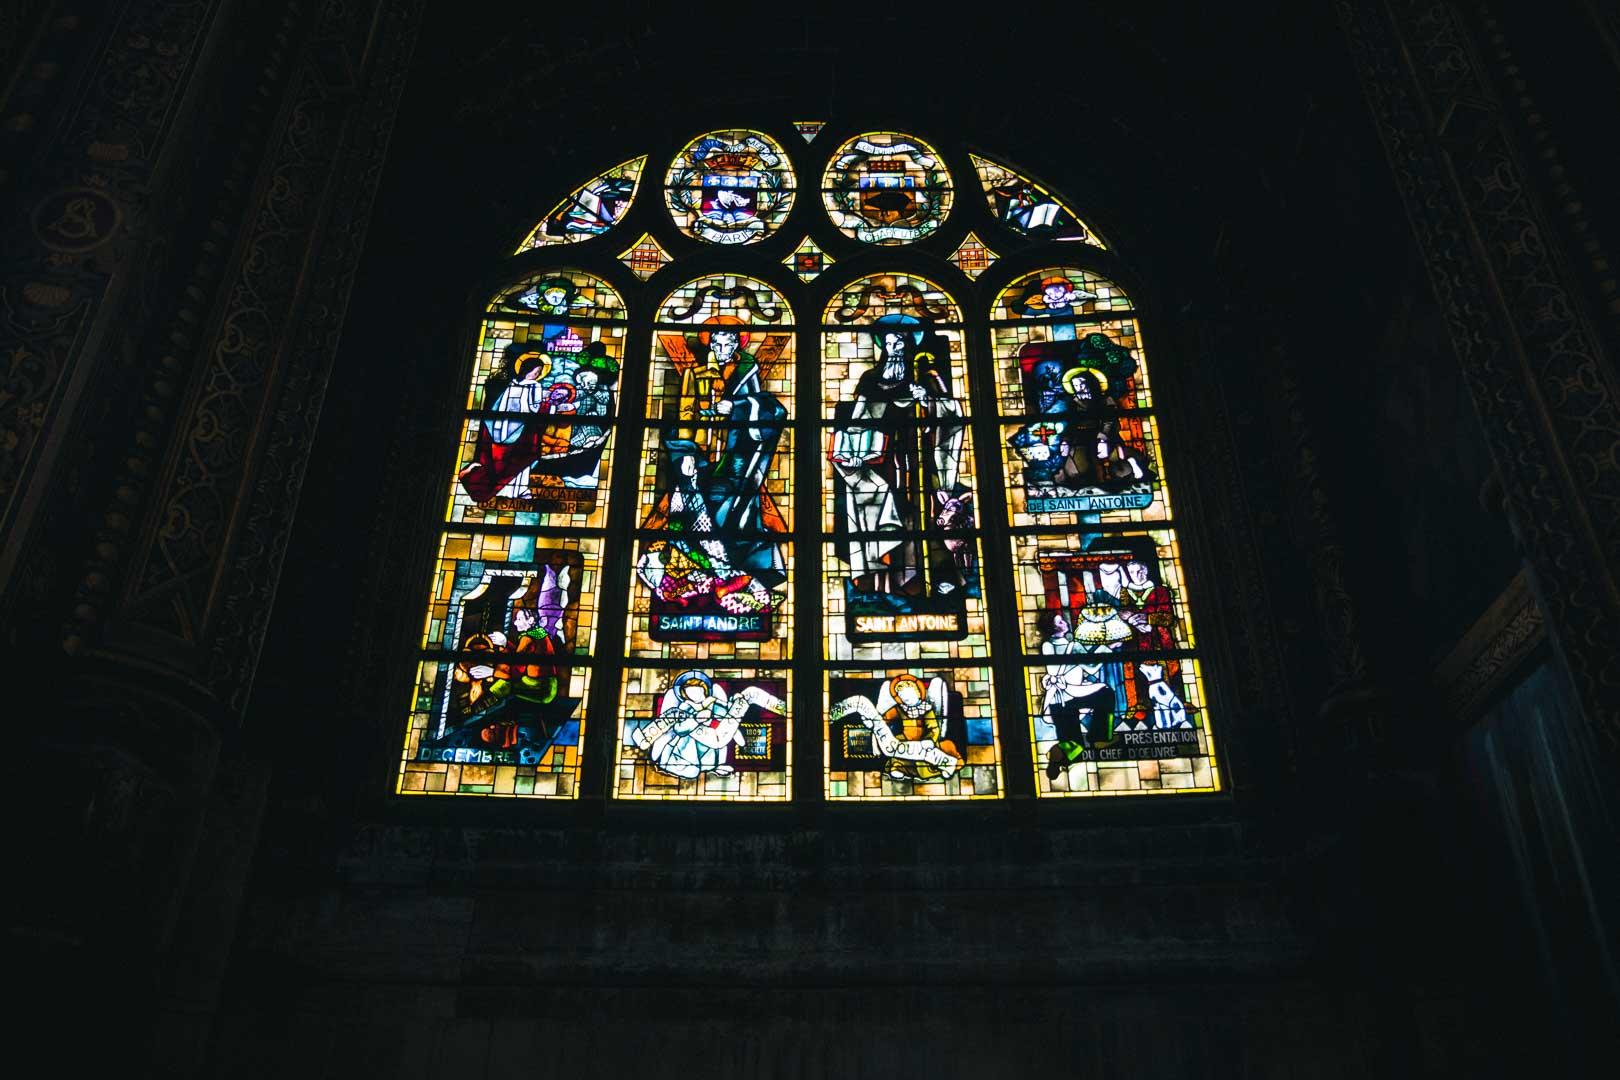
{"x":730,"y":187}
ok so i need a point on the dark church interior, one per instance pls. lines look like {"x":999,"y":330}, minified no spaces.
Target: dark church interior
{"x":247,"y":245}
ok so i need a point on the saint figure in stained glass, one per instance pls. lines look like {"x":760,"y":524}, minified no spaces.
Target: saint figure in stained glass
{"x":896,"y":455}
{"x":1078,"y":452}
{"x":721,"y":558}
{"x":533,"y":454}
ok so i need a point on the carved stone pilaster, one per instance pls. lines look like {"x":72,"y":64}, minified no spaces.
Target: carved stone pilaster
{"x":199,"y":442}
{"x":1496,"y":646}
{"x":84,"y":233}
{"x":1545,"y":394}
{"x":194,"y":590}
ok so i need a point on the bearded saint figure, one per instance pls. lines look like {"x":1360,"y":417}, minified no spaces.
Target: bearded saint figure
{"x":887,"y":460}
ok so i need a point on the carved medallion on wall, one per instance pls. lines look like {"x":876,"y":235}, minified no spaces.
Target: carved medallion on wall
{"x":76,"y":220}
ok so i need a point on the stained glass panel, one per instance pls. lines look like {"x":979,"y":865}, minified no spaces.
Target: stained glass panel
{"x":713,"y":574}
{"x":508,"y":616}
{"x":705,"y":733}
{"x":940,"y":618}
{"x":1047,"y":368}
{"x":907,"y":323}
{"x":485,"y":581}
{"x":972,"y":256}
{"x":452,"y":748}
{"x":1097,"y":470}
{"x":512,"y":612}
{"x":1060,"y":292}
{"x":911,"y":733}
{"x":886,"y":188}
{"x":591,"y":209}
{"x":1122,"y":592}
{"x":1026,"y":207}
{"x":1103,"y":726}
{"x":1116,"y":703}
{"x":808,"y":260}
{"x":1069,"y":360}
{"x":538,"y":449}
{"x":730,"y":187}
{"x":645,"y":257}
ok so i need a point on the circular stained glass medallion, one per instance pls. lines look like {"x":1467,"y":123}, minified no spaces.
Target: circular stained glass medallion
{"x":730,"y":187}
{"x":887,"y":188}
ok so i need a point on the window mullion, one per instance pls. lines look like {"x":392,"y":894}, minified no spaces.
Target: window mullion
{"x":807,"y":753}
{"x":600,"y":752}
{"x":1006,"y":644}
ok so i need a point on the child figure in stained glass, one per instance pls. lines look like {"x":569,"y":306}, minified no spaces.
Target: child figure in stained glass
{"x":914,"y":718}
{"x":593,"y":397}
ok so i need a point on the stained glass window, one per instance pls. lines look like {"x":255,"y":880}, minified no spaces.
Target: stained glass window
{"x":1115,"y":694}
{"x":591,"y":209}
{"x":895,"y":535}
{"x":508,"y":649}
{"x":714,"y":563}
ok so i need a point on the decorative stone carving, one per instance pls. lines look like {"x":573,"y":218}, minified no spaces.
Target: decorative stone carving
{"x":1545,"y":394}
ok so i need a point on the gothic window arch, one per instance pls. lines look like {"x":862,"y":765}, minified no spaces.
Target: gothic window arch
{"x":766,"y":498}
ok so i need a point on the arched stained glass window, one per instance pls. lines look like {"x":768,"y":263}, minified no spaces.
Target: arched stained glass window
{"x":514,"y":608}
{"x":707,"y":717}
{"x":1116,"y":702}
{"x":891,"y":519}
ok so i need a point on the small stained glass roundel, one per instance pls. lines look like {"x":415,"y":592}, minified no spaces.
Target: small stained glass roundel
{"x":730,"y":187}
{"x":886,"y":188}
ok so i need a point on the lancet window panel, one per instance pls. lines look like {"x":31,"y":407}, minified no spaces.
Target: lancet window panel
{"x":712,"y":580}
{"x":902,"y":580}
{"x":513,"y":608}
{"x":1114,"y":691}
